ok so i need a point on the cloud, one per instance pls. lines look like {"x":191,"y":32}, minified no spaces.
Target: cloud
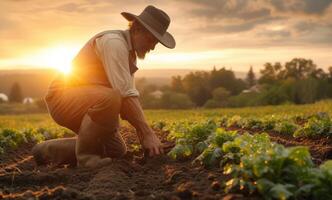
{"x":249,"y":11}
{"x":239,"y":26}
{"x":282,"y":34}
{"x":71,"y":7}
{"x":305,"y":26}
{"x":196,"y":24}
{"x":302,"y":6}
{"x":230,"y":9}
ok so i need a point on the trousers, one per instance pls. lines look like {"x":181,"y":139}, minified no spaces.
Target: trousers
{"x":100,"y":107}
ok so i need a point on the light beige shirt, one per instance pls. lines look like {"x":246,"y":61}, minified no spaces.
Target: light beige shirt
{"x":113,"y":51}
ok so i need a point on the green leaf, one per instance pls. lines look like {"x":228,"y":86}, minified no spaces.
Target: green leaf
{"x":180,"y":151}
{"x":264,"y":186}
{"x":281,"y":192}
{"x":201,"y":146}
{"x":301,"y":156}
{"x":326,"y":166}
{"x":210,"y":156}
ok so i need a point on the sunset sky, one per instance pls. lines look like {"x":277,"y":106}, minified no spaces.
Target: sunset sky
{"x":232,"y":33}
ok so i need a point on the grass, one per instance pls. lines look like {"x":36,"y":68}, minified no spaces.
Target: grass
{"x":42,"y":120}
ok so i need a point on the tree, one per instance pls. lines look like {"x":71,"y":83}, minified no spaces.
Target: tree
{"x":219,"y":98}
{"x":226,"y":79}
{"x":271,"y":73}
{"x":196,"y":86}
{"x":251,"y":79}
{"x":329,"y":81}
{"x":307,"y":90}
{"x":176,"y":84}
{"x":174,"y":100}
{"x":273,"y":96}
{"x":15,"y":94}
{"x":329,"y":74}
{"x":220,"y":94}
{"x":300,"y":68}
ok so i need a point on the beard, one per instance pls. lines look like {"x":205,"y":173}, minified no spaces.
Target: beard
{"x":141,"y":53}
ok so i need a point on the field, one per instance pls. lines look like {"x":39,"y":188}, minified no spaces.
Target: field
{"x":274,"y":152}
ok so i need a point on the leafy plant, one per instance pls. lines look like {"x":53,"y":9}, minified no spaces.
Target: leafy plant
{"x":286,"y":127}
{"x":189,"y":138}
{"x":316,"y":125}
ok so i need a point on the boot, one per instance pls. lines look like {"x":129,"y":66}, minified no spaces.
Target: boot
{"x":114,"y":145}
{"x":89,"y":147}
{"x":56,"y":152}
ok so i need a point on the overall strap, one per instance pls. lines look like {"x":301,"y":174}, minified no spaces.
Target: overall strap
{"x":132,"y":56}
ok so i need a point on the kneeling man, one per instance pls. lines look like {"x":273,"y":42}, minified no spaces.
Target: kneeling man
{"x":100,"y":88}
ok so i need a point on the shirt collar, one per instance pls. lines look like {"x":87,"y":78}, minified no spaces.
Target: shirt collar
{"x":128,"y":39}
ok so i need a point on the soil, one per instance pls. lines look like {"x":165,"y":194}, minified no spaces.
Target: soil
{"x":132,"y":177}
{"x":129,"y":178}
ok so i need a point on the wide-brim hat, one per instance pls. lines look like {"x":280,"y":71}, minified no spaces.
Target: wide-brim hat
{"x":156,"y":22}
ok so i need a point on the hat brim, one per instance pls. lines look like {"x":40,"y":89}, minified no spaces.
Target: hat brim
{"x":167,"y":39}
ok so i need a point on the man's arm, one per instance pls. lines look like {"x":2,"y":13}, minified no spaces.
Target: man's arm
{"x":114,"y":56}
{"x":132,"y":111}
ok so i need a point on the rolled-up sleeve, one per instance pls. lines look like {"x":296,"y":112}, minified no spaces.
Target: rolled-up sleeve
{"x":114,"y":53}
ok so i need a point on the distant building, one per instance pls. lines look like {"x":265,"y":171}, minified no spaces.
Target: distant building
{"x":28,"y":100}
{"x":157,"y":94}
{"x":3,"y":98}
{"x":256,"y":88}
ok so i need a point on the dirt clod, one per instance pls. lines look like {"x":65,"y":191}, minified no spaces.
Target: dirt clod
{"x":215,"y":185}
{"x":211,"y":176}
{"x":184,"y":190}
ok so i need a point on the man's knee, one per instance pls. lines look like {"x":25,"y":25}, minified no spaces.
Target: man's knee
{"x":106,"y":111}
{"x":117,"y":97}
{"x":110,"y":103}
{"x":112,"y":97}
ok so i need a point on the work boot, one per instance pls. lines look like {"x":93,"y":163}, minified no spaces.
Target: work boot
{"x":56,"y":152}
{"x":114,"y":145}
{"x":89,"y":147}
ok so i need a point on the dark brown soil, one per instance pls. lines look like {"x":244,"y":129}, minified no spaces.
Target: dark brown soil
{"x":127,"y":178}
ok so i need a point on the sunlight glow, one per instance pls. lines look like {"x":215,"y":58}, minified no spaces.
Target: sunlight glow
{"x":58,"y":57}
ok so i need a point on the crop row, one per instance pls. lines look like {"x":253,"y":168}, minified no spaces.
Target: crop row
{"x":319,"y":124}
{"x":254,"y":164}
{"x":11,"y":138}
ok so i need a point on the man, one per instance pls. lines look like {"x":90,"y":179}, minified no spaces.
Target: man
{"x":100,"y":89}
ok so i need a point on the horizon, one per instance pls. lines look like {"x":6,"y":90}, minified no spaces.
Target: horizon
{"x":232,"y":34}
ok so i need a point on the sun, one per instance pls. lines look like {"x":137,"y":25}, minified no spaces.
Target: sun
{"x":59,"y":58}
{"x":56,"y":57}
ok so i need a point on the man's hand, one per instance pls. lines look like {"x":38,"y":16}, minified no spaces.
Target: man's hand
{"x":132,"y":111}
{"x":152,"y":144}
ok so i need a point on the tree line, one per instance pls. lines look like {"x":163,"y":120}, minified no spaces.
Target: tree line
{"x":298,"y":81}
{"x":15,"y":94}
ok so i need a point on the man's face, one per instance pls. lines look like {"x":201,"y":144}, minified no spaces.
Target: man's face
{"x":144,"y":41}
